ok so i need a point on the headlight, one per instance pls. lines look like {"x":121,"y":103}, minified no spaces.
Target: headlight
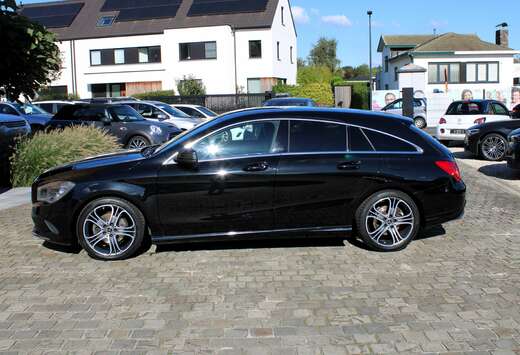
{"x":473,"y":131}
{"x":155,"y":130}
{"x":53,"y":191}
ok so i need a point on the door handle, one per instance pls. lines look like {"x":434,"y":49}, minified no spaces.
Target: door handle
{"x":349,"y":165}
{"x":255,"y":167}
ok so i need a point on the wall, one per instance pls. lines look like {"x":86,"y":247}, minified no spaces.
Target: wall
{"x":388,"y":78}
{"x":286,"y":35}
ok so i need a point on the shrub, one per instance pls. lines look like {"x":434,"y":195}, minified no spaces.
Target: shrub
{"x":45,"y":150}
{"x":154,"y":94}
{"x":319,"y":92}
{"x":314,"y":74}
{"x":189,"y":86}
{"x":359,"y":94}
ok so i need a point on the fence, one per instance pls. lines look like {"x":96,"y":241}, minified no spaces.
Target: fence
{"x":217,"y":103}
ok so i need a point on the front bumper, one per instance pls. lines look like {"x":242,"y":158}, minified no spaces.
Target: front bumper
{"x":471,"y":144}
{"x":513,"y":156}
{"x":53,"y":222}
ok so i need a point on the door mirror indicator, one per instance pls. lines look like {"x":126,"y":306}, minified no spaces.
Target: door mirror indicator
{"x":187,"y":159}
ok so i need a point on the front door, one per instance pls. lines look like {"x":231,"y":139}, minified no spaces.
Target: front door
{"x":232,"y":189}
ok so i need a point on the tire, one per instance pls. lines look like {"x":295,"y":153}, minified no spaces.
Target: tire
{"x":420,"y":122}
{"x":493,"y":147}
{"x":377,"y":227}
{"x":138,"y":142}
{"x":108,"y":237}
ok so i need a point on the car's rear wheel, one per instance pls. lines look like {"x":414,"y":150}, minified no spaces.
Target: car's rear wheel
{"x":138,"y":142}
{"x":419,"y":122}
{"x":110,"y":229}
{"x":388,"y":220}
{"x":493,"y":147}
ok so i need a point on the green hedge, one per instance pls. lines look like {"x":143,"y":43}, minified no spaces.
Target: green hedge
{"x":154,"y":94}
{"x":45,"y":150}
{"x":319,"y":92}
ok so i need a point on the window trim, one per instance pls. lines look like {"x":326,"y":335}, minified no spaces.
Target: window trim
{"x":487,"y":73}
{"x":419,"y":150}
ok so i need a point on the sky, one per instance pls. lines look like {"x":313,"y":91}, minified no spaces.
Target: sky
{"x":347,"y":22}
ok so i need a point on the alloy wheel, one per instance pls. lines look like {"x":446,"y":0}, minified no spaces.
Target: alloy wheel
{"x":390,"y":222}
{"x":109,"y":230}
{"x":137,"y":143}
{"x":420,"y":122}
{"x":494,"y":147}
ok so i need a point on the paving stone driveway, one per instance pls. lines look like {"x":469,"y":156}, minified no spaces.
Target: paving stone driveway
{"x":454,"y":291}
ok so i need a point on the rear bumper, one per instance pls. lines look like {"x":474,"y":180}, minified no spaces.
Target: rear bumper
{"x":445,"y":133}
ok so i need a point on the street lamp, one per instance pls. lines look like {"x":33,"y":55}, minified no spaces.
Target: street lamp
{"x":369,"y":13}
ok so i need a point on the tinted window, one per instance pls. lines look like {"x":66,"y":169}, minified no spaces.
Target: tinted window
{"x":386,"y":143}
{"x":251,"y":138}
{"x":148,"y":111}
{"x":309,"y":136}
{"x":358,"y":141}
{"x":465,"y":108}
{"x":500,"y":110}
{"x":90,"y":114}
{"x":190,"y":111}
{"x":125,"y":114}
{"x":172,"y":111}
{"x":207,"y":111}
{"x":46,"y":107}
{"x":8,"y":110}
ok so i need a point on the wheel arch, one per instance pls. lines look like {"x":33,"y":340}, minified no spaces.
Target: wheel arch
{"x":136,"y":134}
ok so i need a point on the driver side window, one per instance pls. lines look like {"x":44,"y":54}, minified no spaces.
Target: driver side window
{"x":251,"y":138}
{"x":396,"y":106}
{"x":8,"y":110}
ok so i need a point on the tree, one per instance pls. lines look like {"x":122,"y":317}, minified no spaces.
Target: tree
{"x":189,"y":86}
{"x":350,"y":72}
{"x":324,"y":53}
{"x":30,"y":58}
{"x":314,"y":74}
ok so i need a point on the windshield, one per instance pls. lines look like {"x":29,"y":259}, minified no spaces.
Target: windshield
{"x":126,"y":113}
{"x":207,"y":111}
{"x":172,"y":111}
{"x":28,"y":109}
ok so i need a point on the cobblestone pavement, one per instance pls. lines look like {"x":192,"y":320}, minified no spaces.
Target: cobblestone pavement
{"x":455,"y":290}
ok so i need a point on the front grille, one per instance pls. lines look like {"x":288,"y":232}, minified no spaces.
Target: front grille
{"x":13,"y":124}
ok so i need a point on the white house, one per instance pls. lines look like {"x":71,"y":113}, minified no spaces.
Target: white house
{"x":121,"y":48}
{"x":451,"y":61}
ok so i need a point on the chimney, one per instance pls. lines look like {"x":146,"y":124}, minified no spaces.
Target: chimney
{"x":502,"y":35}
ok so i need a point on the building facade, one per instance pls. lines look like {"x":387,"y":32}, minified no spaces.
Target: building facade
{"x":112,"y":48}
{"x":445,"y":62}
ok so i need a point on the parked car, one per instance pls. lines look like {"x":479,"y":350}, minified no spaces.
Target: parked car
{"x":122,"y":121}
{"x":10,"y":128}
{"x":513,"y":153}
{"x":489,"y":140}
{"x":419,"y":111}
{"x":515,"y":112}
{"x":290,"y":101}
{"x":52,"y":106}
{"x":256,"y":173}
{"x":108,"y":100}
{"x":196,"y":111}
{"x":159,"y":111}
{"x":36,"y":117}
{"x":461,"y":115}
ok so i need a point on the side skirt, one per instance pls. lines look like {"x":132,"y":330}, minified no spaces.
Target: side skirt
{"x":238,"y":235}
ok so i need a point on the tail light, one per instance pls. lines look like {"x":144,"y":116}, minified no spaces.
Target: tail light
{"x":480,"y":120}
{"x":442,"y":120}
{"x":451,"y":168}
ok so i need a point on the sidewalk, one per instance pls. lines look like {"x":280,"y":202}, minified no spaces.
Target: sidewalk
{"x":15,"y":197}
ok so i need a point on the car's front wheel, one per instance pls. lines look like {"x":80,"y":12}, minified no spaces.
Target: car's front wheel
{"x":110,"y":229}
{"x":388,"y":220}
{"x":493,"y":147}
{"x":138,"y":142}
{"x":420,"y":122}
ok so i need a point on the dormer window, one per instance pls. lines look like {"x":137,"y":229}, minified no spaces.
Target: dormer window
{"x":105,"y":21}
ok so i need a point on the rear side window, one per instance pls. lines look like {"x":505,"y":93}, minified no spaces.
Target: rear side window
{"x":358,"y":141}
{"x":500,"y":110}
{"x":310,"y":136}
{"x":46,"y":107}
{"x":90,"y":114}
{"x":385,"y":143}
{"x":465,"y":108}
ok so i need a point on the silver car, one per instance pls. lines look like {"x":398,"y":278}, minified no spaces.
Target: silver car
{"x":419,"y":111}
{"x":159,"y":111}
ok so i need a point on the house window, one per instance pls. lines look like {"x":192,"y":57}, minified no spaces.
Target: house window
{"x":119,"y":56}
{"x":278,"y":50}
{"x":386,"y":64}
{"x":482,"y":72}
{"x":255,"y":49}
{"x":95,"y":58}
{"x":283,"y":20}
{"x":291,"y":54}
{"x":439,"y":73}
{"x":198,"y":50}
{"x":143,"y":55}
{"x":105,"y":21}
{"x":254,"y":86}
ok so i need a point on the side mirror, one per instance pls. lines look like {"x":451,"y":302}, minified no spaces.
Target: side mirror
{"x":187,"y":159}
{"x":161,"y":117}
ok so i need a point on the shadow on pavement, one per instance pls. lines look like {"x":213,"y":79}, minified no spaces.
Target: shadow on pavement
{"x":62,"y":248}
{"x":463,"y":155}
{"x":432,"y":232}
{"x":500,"y":171}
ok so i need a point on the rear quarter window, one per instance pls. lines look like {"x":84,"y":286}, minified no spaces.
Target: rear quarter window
{"x":385,"y":143}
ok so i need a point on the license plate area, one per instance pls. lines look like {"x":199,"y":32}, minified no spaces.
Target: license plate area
{"x":458,"y":131}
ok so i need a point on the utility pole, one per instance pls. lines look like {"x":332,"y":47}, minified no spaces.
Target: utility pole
{"x":369,"y":13}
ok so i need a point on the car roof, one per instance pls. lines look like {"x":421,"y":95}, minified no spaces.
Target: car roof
{"x":187,"y":105}
{"x":477,"y":101}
